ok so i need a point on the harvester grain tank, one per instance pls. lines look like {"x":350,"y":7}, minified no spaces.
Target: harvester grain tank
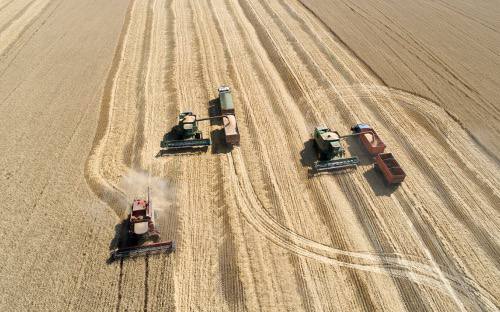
{"x":186,"y":134}
{"x":390,"y":168}
{"x":226,"y":100}
{"x":143,"y":236}
{"x":369,"y":138}
{"x":331,"y":153}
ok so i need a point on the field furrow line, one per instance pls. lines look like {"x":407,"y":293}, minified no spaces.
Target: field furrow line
{"x":11,"y":31}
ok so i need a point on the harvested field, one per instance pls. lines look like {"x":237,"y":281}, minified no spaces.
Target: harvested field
{"x":254,"y":230}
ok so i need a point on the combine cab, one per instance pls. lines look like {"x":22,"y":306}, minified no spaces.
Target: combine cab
{"x":186,"y":134}
{"x":331,"y":154}
{"x":143,"y":236}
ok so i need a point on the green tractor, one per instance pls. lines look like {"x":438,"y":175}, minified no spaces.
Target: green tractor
{"x":186,"y":134}
{"x":331,"y":153}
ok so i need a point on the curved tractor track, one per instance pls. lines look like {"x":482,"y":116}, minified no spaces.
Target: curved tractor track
{"x":437,"y":231}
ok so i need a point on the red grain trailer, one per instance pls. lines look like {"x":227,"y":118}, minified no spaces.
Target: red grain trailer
{"x":392,"y":172}
{"x":369,"y":138}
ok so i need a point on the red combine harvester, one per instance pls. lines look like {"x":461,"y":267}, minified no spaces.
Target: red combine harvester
{"x":143,"y":236}
{"x":390,"y":168}
{"x":369,"y":138}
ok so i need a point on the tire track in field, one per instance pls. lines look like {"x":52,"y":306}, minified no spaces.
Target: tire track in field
{"x":253,"y":211}
{"x":333,"y":227}
{"x":13,"y":49}
{"x":13,"y":29}
{"x":6,"y":4}
{"x":16,"y":16}
{"x":133,"y":112}
{"x":105,"y":191}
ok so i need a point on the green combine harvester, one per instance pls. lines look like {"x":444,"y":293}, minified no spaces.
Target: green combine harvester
{"x":186,"y":134}
{"x":331,"y":154}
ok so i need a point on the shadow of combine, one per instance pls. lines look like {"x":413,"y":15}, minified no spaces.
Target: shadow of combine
{"x":121,"y":238}
{"x":308,"y":154}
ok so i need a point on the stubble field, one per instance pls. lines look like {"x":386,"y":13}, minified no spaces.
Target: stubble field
{"x":87,"y":101}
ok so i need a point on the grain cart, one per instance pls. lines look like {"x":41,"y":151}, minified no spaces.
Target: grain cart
{"x":369,"y":138}
{"x":392,"y":172}
{"x":330,"y":152}
{"x":143,"y":236}
{"x":186,"y":134}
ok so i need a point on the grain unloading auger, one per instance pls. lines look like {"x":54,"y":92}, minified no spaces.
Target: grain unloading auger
{"x":331,"y":154}
{"x":142,"y":236}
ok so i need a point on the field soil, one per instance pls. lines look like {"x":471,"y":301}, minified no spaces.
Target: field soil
{"x":89,"y":89}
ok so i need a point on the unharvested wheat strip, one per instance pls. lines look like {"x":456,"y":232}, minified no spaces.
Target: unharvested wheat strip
{"x":123,"y":110}
{"x":95,"y":163}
